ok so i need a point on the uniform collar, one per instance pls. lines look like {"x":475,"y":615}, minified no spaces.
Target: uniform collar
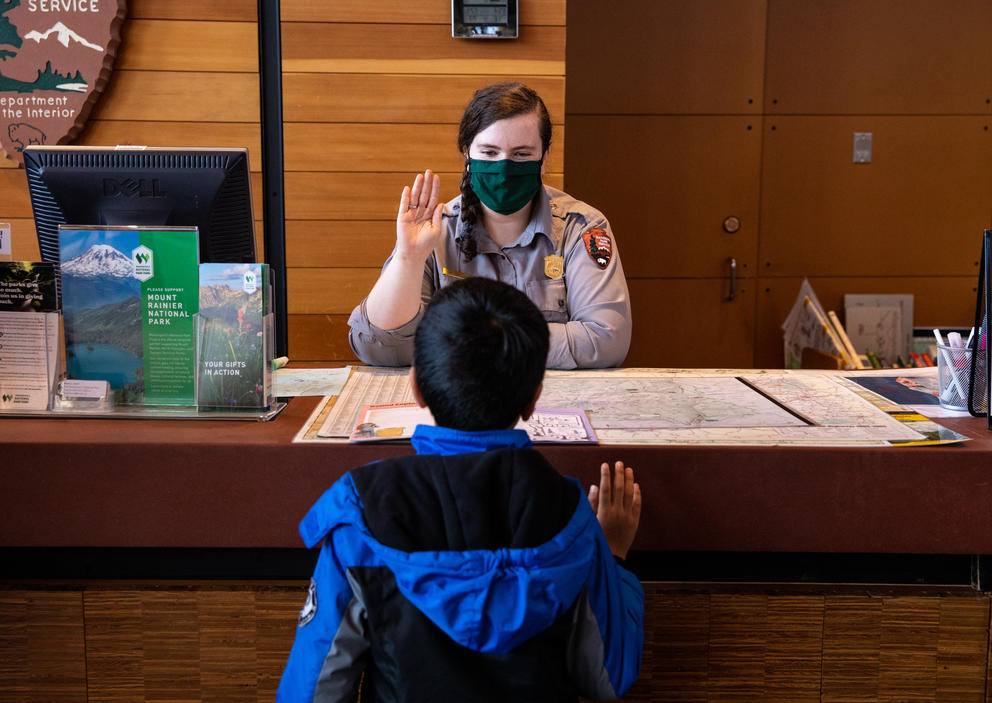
{"x":540,"y":223}
{"x":429,"y":439}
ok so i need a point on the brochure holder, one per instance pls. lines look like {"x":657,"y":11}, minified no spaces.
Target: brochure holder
{"x":234,"y":366}
{"x":160,"y":376}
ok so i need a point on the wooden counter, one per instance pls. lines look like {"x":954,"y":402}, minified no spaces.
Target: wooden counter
{"x":201,"y":483}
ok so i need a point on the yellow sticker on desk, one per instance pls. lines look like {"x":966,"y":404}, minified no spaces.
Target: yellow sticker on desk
{"x":910,"y":417}
{"x":387,"y":432}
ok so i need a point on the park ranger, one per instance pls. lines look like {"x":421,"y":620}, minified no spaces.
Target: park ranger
{"x":505,"y":225}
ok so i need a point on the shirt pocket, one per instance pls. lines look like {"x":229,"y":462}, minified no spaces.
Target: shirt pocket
{"x":550,"y":297}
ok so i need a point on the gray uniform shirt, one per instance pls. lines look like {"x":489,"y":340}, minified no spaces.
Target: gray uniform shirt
{"x":585,"y":302}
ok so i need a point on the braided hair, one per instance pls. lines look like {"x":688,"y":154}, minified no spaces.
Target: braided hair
{"x":489,"y":105}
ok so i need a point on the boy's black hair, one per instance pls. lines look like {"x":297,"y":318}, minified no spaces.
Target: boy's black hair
{"x":479,"y":354}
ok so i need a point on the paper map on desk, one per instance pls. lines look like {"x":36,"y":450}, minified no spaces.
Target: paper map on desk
{"x":721,"y":407}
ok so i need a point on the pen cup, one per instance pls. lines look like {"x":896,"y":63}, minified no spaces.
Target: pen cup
{"x":953,"y":375}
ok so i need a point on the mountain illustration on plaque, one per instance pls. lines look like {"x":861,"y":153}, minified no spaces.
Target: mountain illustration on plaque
{"x":56,"y":57}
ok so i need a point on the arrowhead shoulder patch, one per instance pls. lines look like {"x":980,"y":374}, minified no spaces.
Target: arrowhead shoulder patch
{"x":598,"y":246}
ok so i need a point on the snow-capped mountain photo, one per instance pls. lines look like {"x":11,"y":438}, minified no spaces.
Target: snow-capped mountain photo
{"x":99,"y":276}
{"x":63,"y":34}
{"x":99,"y":260}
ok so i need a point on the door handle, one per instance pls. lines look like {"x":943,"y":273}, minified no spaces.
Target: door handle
{"x":733,"y":278}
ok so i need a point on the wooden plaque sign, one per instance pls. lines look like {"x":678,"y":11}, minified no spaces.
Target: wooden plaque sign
{"x":55,"y":59}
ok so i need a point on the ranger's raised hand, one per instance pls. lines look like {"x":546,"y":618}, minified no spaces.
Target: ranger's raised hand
{"x":418,"y":222}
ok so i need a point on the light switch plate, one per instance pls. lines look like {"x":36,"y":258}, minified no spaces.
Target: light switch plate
{"x":862,"y":147}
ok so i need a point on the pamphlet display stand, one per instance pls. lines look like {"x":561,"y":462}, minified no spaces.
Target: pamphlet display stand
{"x":197,"y":344}
{"x":53,"y":395}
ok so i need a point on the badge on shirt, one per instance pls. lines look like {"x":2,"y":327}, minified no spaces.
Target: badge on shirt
{"x":598,"y":246}
{"x":554,"y":266}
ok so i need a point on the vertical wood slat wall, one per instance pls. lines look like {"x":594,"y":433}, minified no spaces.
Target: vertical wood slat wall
{"x":748,"y":108}
{"x":227,"y":644}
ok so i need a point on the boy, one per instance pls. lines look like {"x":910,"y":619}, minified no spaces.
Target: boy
{"x":472,"y":571}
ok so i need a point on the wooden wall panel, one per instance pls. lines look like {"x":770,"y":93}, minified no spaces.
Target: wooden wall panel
{"x":328,"y":291}
{"x":405,"y":148}
{"x":689,"y":323}
{"x":373,"y":95}
{"x":23,"y":240}
{"x":962,"y":651}
{"x":42,"y":654}
{"x":852,"y":634}
{"x":200,"y":643}
{"x":224,"y":47}
{"x":179,"y":96}
{"x":189,"y":134}
{"x":918,"y":209}
{"x":937,"y":302}
{"x":155,"y":133}
{"x":341,"y":243}
{"x":737,"y":647}
{"x":320,"y":337}
{"x":532,"y":12}
{"x":229,"y":10}
{"x":881,"y":57}
{"x":341,"y":97}
{"x":676,"y":56}
{"x":915,"y":74}
{"x":415,"y":48}
{"x":666,"y":183}
{"x":793,"y":653}
{"x":908,"y":659}
{"x":358,"y":195}
{"x":227,"y":642}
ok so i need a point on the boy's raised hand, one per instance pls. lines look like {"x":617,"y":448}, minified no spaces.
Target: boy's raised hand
{"x":617,"y":504}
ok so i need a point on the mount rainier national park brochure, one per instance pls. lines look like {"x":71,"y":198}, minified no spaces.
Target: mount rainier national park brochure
{"x":129,"y":299}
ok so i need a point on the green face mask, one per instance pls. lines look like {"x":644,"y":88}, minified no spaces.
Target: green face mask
{"x":505,"y":186}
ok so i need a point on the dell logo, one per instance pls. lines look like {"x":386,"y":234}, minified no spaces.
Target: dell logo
{"x":133,"y":188}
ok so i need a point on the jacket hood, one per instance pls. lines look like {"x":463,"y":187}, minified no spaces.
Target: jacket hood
{"x":486,"y":600}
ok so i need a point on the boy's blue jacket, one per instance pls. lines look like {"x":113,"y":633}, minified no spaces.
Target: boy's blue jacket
{"x":472,"y":571}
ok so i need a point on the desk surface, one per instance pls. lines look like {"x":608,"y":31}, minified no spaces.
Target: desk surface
{"x":179,"y":483}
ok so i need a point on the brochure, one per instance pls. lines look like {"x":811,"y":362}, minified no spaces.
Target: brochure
{"x":29,"y":335}
{"x":392,"y":421}
{"x":235,"y":346}
{"x":129,"y":297}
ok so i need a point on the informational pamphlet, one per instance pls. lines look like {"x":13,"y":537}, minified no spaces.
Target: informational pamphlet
{"x":390,"y":421}
{"x":129,"y":298}
{"x":29,"y":335}
{"x":235,"y":345}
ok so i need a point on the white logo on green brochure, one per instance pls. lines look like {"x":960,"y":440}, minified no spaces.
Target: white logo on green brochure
{"x":250,"y":282}
{"x":144,"y":263}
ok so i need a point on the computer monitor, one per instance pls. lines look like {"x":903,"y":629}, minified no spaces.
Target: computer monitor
{"x":151,"y":186}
